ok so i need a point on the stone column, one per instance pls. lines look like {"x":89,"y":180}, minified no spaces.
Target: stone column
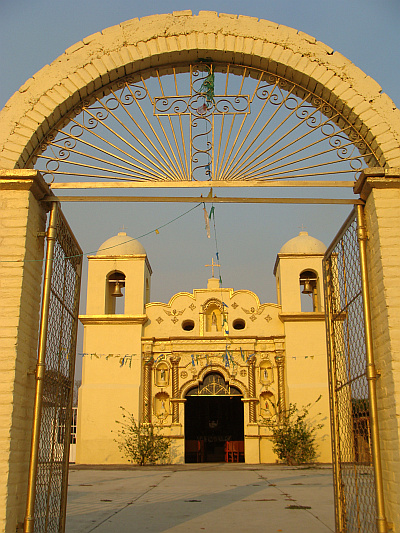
{"x":280,"y":363}
{"x":252,"y":389}
{"x":147,"y":368}
{"x":380,"y":188}
{"x":22,"y":223}
{"x":175,"y":388}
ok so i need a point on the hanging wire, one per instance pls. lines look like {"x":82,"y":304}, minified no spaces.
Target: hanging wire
{"x":84,"y":254}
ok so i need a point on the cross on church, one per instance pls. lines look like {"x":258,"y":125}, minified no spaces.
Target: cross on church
{"x":201,"y":105}
{"x":212,"y":266}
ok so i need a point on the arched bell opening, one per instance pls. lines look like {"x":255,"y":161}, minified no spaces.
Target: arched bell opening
{"x":309,"y":291}
{"x":115,"y":293}
{"x":214,"y":421}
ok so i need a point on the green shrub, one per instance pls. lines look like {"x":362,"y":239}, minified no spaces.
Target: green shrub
{"x":141,"y":442}
{"x":294,"y":438}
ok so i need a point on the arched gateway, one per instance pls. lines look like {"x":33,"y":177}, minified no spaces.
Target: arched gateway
{"x":335,"y":121}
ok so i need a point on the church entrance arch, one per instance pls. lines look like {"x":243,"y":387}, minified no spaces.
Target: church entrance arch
{"x":214,"y":421}
{"x":326,"y":119}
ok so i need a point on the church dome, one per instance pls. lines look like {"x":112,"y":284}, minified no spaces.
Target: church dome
{"x":121,"y":244}
{"x":303,"y":244}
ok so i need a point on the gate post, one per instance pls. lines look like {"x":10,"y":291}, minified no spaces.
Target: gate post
{"x":371,"y":373}
{"x":22,"y":219}
{"x":380,"y":188}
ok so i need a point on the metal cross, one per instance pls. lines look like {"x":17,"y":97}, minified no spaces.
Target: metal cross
{"x":201,"y":105}
{"x":212,"y":266}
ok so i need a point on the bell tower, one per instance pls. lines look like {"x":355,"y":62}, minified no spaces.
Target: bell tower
{"x":298,"y":272}
{"x":118,"y":290}
{"x":299,"y":282}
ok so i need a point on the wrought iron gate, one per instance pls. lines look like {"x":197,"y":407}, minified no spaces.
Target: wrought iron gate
{"x":352,"y":378}
{"x":48,"y":473}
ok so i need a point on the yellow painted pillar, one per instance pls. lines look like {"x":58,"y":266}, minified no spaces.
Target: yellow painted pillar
{"x":380,"y":188}
{"x":22,"y":223}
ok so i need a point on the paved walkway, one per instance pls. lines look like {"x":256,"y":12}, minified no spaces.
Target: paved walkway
{"x":214,"y":498}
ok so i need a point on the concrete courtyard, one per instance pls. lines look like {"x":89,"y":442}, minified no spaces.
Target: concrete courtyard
{"x":214,"y":498}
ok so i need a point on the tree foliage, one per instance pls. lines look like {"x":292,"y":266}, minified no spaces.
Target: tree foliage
{"x":141,"y":442}
{"x":294,"y":438}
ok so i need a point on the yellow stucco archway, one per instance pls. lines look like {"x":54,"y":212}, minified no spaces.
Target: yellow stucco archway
{"x":45,"y":100}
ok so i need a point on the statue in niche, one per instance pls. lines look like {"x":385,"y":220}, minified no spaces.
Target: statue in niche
{"x":162,"y":375}
{"x":267,"y":405}
{"x":266,"y":372}
{"x":213,"y":316}
{"x":161,"y":405}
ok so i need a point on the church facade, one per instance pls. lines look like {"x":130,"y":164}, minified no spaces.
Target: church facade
{"x":214,"y":369}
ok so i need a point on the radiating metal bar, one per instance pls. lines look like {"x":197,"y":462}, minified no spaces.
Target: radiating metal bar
{"x":153,"y":130}
{"x":181,"y":127}
{"x":309,"y":175}
{"x":153,"y":161}
{"x":113,"y":145}
{"x":257,"y":86}
{"x":298,"y":169}
{"x":301,"y":149}
{"x":371,"y":373}
{"x":196,"y":184}
{"x":40,"y":373}
{"x":219,"y":170}
{"x":164,"y":163}
{"x":178,"y":169}
{"x":238,"y":167}
{"x":93,"y":146}
{"x":233,"y":162}
{"x":118,"y":173}
{"x":197,"y":199}
{"x":172,"y":129}
{"x":259,"y":168}
{"x":94,"y":167}
{"x":308,"y":132}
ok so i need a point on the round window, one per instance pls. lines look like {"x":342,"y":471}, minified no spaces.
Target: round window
{"x":188,"y":325}
{"x":239,"y":323}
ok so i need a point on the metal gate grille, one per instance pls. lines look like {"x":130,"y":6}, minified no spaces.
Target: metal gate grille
{"x":55,"y":377}
{"x":349,"y":391}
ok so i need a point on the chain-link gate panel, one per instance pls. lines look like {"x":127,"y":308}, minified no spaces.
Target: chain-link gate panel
{"x":355,"y":495}
{"x":56,"y":376}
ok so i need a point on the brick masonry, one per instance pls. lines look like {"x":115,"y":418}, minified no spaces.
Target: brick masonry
{"x":47,"y":97}
{"x":21,"y":254}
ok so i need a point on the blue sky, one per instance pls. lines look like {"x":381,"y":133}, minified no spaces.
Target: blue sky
{"x":33,"y":33}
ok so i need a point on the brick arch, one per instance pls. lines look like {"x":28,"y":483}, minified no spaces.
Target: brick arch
{"x":43,"y":101}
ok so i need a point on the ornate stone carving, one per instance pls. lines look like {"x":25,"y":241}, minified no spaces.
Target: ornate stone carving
{"x":252,"y":389}
{"x":280,"y":363}
{"x":148,"y":363}
{"x":175,"y":387}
